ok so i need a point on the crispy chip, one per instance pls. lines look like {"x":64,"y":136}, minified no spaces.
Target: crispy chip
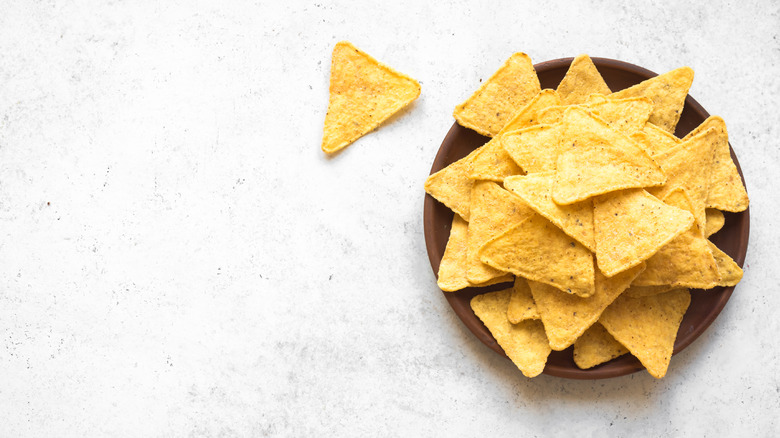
{"x":521,"y":305}
{"x":535,"y":149}
{"x":648,"y":326}
{"x":452,"y":269}
{"x":631,"y":226}
{"x":567,"y":316}
{"x":554,"y":114}
{"x":500,"y":97}
{"x":524,"y":343}
{"x":646,"y":291}
{"x":363,"y":94}
{"x":582,"y":79}
{"x":538,"y":250}
{"x":715,"y":221}
{"x":493,"y":211}
{"x":625,"y":115}
{"x":730,"y":272}
{"x":576,"y":220}
{"x":595,"y":159}
{"x":595,"y":347}
{"x":655,"y":140}
{"x":452,"y":186}
{"x":667,"y":91}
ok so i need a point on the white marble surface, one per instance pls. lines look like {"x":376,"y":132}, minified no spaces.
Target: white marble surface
{"x":179,"y":258}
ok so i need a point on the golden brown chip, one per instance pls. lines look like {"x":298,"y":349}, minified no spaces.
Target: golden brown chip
{"x":521,"y":305}
{"x":715,"y":221}
{"x":648,"y":326}
{"x":582,"y":79}
{"x":453,"y":267}
{"x":566,"y":316}
{"x":667,"y":91}
{"x":524,"y":343}
{"x":625,"y":115}
{"x":363,"y":94}
{"x":576,"y":220}
{"x":631,"y":226}
{"x":595,"y":347}
{"x":655,"y":140}
{"x":500,"y":97}
{"x":730,"y":272}
{"x":493,"y":211}
{"x":452,"y":186}
{"x":535,"y":149}
{"x":538,"y":250}
{"x":554,"y":114}
{"x":646,"y":291}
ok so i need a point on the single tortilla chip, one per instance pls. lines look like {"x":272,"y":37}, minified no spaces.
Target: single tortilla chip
{"x":576,"y":220}
{"x":631,"y":226}
{"x":566,"y":317}
{"x":493,"y":211}
{"x":535,"y":149}
{"x":521,"y":305}
{"x":595,"y":347}
{"x":525,"y":343}
{"x":596,"y":159}
{"x":655,"y":140}
{"x":538,"y":250}
{"x":510,"y":88}
{"x":667,"y":91}
{"x":363,"y":94}
{"x":581,"y":80}
{"x":452,"y":186}
{"x":726,"y":191}
{"x":730,"y":272}
{"x":715,"y":221}
{"x":625,"y":115}
{"x":452,"y":269}
{"x":646,"y":291}
{"x":648,"y":326}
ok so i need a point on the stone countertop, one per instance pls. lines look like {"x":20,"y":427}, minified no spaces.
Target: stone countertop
{"x":179,"y":258}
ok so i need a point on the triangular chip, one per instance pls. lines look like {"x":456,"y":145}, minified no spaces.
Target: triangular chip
{"x":715,"y":221}
{"x":726,"y":191}
{"x":524,"y":343}
{"x":566,"y":316}
{"x":453,"y":267}
{"x":363,"y":94}
{"x":535,"y":149}
{"x":625,"y":115}
{"x":655,"y":140}
{"x":582,"y":79}
{"x":595,"y":347}
{"x":521,"y":305}
{"x":648,"y":326}
{"x":493,"y":211}
{"x":452,"y":186}
{"x":538,"y":250}
{"x":646,"y":291}
{"x":730,"y":272}
{"x":631,"y":226}
{"x":667,"y":91}
{"x":500,"y":97}
{"x":596,"y":159}
{"x":576,"y":220}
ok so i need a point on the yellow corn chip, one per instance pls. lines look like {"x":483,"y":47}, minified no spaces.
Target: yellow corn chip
{"x":648,"y":326}
{"x":667,"y":91}
{"x":625,"y":115}
{"x":566,"y":316}
{"x":595,"y":347}
{"x":631,"y":226}
{"x":538,"y":250}
{"x":452,"y":186}
{"x":576,"y":220}
{"x":726,"y":191}
{"x":654,"y":140}
{"x":554,"y":114}
{"x":500,"y":97}
{"x":363,"y":94}
{"x":493,"y":211}
{"x":535,"y":149}
{"x":521,"y":305}
{"x":730,"y":272}
{"x":524,"y":343}
{"x":582,"y":79}
{"x":715,"y":221}
{"x":646,"y":291}
{"x":595,"y":98}
{"x":452,"y":269}
{"x":596,"y":159}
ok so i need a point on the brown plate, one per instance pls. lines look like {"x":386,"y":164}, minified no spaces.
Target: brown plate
{"x":705,"y":305}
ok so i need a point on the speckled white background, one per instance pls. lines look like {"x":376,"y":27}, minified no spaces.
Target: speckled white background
{"x":179,"y":258}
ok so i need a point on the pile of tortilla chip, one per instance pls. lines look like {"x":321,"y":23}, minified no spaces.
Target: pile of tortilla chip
{"x":589,"y":203}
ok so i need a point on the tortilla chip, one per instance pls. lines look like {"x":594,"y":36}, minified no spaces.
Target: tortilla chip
{"x":582,"y":79}
{"x":648,"y":326}
{"x":452,"y":269}
{"x":452,"y":186}
{"x":363,"y":94}
{"x":654,"y":140}
{"x":493,"y":211}
{"x":576,"y":220}
{"x":726,"y":191}
{"x":631,"y":226}
{"x":538,"y":250}
{"x":646,"y":291}
{"x":554,"y":114}
{"x":667,"y":91}
{"x":521,"y":305}
{"x":730,"y":272}
{"x":595,"y":347}
{"x":596,"y":159}
{"x":715,"y":221}
{"x":535,"y":149}
{"x":510,"y":88}
{"x":566,"y":317}
{"x":625,"y":115}
{"x":524,"y":343}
